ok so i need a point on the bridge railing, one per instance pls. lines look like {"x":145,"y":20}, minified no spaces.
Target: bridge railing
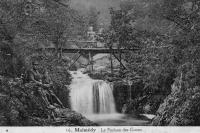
{"x":87,"y":44}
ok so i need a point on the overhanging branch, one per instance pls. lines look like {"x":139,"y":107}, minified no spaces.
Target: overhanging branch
{"x":61,"y":3}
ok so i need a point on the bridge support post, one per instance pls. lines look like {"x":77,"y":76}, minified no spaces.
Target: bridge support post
{"x":75,"y":60}
{"x":120,"y":60}
{"x":111,"y":63}
{"x":90,"y":62}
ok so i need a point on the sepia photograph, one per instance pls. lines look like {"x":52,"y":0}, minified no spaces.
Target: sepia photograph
{"x":100,"y":63}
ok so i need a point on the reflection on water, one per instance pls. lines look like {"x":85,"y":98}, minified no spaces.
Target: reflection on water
{"x":104,"y":117}
{"x":117,"y":120}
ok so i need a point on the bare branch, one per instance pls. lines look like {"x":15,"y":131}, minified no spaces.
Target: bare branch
{"x":61,"y":3}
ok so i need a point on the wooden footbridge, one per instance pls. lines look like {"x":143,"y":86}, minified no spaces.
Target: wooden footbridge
{"x":92,"y":49}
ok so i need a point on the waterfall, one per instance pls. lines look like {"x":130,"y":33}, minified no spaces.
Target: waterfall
{"x":94,"y":99}
{"x":103,"y":101}
{"x":90,"y":96}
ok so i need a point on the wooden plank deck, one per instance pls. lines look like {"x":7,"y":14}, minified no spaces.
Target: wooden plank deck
{"x":91,"y":50}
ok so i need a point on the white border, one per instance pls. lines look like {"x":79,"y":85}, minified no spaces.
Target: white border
{"x":104,"y":129}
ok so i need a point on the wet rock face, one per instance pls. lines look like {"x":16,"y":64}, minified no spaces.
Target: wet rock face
{"x":20,"y":107}
{"x":140,"y":103}
{"x":181,"y":107}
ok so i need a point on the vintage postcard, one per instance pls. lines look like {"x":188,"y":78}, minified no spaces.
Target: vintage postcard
{"x":100,"y":66}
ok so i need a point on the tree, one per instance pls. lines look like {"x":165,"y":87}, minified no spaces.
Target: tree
{"x":93,"y":16}
{"x":167,"y":33}
{"x":25,"y":26}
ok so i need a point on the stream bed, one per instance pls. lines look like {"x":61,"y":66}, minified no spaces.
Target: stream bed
{"x":118,"y":120}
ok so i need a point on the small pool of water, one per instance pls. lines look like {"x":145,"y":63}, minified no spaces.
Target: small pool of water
{"x":118,"y":120}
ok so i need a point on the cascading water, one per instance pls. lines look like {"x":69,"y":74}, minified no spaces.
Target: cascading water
{"x":90,"y":96}
{"x":103,"y":101}
{"x":94,"y":99}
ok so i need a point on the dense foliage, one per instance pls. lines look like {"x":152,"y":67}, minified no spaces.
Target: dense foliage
{"x":181,"y":107}
{"x":25,"y":26}
{"x":167,"y":34}
{"x":20,"y":106}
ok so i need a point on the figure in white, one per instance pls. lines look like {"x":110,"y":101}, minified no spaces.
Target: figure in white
{"x":91,"y":34}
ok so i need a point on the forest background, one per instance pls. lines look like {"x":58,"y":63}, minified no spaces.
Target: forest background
{"x":165,"y":69}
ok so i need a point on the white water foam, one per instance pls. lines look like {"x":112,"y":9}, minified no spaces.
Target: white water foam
{"x":91,"y":97}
